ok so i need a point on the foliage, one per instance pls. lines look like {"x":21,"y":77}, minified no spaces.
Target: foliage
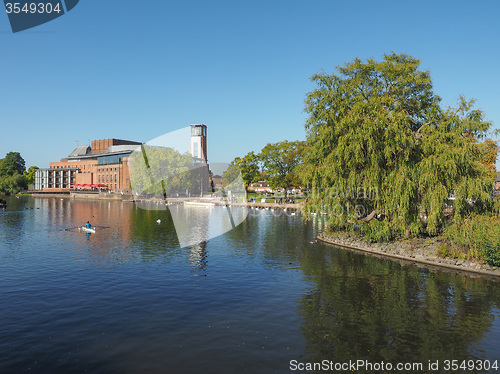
{"x":380,"y":146}
{"x":248,"y":166}
{"x":12,"y":183}
{"x":477,"y":237}
{"x":230,"y":174}
{"x":374,"y":231}
{"x":30,"y":174}
{"x":159,"y":170}
{"x":232,"y":179}
{"x":12,"y":163}
{"x":489,"y":150}
{"x":12,"y":168}
{"x":279,"y":162}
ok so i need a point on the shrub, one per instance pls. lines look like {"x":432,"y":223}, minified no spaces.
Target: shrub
{"x":477,"y":237}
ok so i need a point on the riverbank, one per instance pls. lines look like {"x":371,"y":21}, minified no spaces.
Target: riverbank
{"x":92,"y":195}
{"x":171,"y":200}
{"x":275,"y":206}
{"x":420,"y":251}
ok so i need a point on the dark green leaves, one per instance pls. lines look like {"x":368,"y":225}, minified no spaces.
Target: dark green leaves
{"x":379,"y":126}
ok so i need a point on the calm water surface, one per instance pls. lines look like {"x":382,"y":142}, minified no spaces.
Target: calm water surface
{"x":129,"y":299}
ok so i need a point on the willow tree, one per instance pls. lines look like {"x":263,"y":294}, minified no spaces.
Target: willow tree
{"x":383,"y":153}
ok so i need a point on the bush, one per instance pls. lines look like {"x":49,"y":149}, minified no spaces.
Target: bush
{"x":12,"y":184}
{"x":477,"y":237}
{"x":374,"y":232}
{"x":491,"y":252}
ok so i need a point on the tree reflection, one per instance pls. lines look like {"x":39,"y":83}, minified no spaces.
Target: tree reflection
{"x":360,"y":307}
{"x":379,"y":310}
{"x":153,"y":238}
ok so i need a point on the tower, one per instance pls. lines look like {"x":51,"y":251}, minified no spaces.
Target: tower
{"x":199,"y":143}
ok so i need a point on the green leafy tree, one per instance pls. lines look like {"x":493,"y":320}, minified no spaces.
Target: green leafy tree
{"x":12,"y":163}
{"x":12,"y":184}
{"x":279,"y":162}
{"x":230,"y":175}
{"x":159,"y":170}
{"x":383,"y":153}
{"x":247,"y":165}
{"x":12,"y":168}
{"x":489,"y":149}
{"x":30,"y":174}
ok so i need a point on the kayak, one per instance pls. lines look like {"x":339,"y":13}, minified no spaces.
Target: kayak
{"x":88,"y":230}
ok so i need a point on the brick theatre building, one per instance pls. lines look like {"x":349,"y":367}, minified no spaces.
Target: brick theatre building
{"x":103,"y":164}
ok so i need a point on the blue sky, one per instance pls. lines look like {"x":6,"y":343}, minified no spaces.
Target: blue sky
{"x":138,"y":69}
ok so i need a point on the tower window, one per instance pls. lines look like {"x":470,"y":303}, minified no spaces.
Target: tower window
{"x":196,"y":147}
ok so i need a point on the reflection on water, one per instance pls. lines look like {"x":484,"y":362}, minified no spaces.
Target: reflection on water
{"x":131,"y":299}
{"x":195,"y":224}
{"x":379,"y":310}
{"x":198,"y":258}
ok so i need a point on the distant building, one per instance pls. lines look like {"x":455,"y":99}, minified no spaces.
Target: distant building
{"x":199,"y":143}
{"x":217,"y":181}
{"x":260,"y":186}
{"x":103,"y":164}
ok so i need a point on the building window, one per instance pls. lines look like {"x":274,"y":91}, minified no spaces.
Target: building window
{"x":195,"y":149}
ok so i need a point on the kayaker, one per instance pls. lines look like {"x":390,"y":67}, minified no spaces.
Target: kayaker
{"x":88,"y":225}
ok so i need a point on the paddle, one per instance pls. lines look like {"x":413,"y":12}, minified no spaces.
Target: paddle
{"x":72,"y":228}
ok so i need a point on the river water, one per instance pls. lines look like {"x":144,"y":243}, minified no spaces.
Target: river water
{"x":261,"y":298}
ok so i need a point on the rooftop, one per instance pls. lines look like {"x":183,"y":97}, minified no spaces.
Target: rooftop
{"x":106,"y":147}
